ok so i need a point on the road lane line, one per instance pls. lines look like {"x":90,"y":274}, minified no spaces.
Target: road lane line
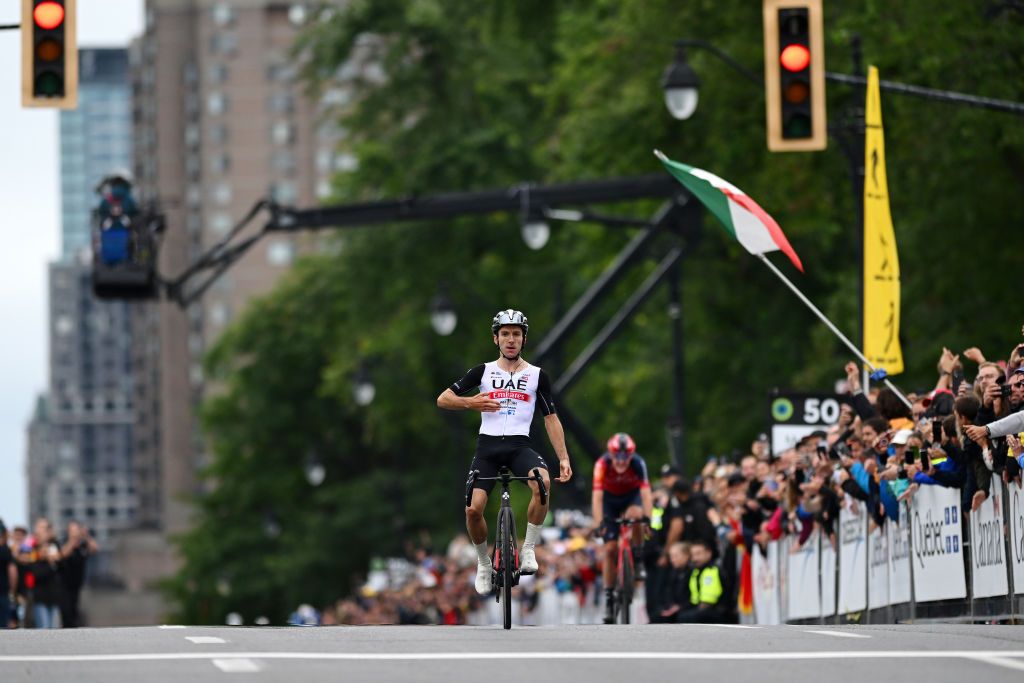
{"x":205,"y":640}
{"x":170,"y":626}
{"x":839,"y":634}
{"x":237,"y":666}
{"x":1001,"y":661}
{"x":732,"y":626}
{"x":1011,"y":655}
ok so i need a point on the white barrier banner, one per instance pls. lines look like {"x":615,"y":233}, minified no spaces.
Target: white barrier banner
{"x":988,"y":546}
{"x":936,"y":544}
{"x":878,"y":567}
{"x":766,"y":585}
{"x":853,"y":558}
{"x":899,"y":559}
{"x":828,"y":575}
{"x":804,"y":600}
{"x":1016,"y":513}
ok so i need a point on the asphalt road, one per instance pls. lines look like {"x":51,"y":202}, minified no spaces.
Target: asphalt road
{"x":595,"y":654}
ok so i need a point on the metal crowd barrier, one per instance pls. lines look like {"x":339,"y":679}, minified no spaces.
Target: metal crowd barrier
{"x":936,"y":563}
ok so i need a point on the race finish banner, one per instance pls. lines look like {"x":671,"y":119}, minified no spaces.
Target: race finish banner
{"x":988,"y":546}
{"x":936,"y":544}
{"x":899,"y":558}
{"x":853,"y":560}
{"x":1017,"y":536}
{"x":795,"y":415}
{"x":878,"y":567}
{"x":803,"y":594}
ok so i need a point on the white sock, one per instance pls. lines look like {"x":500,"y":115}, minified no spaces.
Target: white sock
{"x":532,"y":533}
{"x":483,"y":557}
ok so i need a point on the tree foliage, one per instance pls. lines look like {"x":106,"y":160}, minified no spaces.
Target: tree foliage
{"x":479,"y":95}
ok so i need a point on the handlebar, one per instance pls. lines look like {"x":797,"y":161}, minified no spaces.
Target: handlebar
{"x":504,"y":476}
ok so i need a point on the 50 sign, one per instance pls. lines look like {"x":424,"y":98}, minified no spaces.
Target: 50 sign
{"x":795,"y":415}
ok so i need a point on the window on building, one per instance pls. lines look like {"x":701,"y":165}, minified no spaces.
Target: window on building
{"x":282,"y":133}
{"x":223,"y":14}
{"x":216,"y":102}
{"x":222,"y":193}
{"x":282,"y":103}
{"x":219,"y":162}
{"x":220,"y":223}
{"x":218,"y":133}
{"x":217,"y":73}
{"x":283,"y":160}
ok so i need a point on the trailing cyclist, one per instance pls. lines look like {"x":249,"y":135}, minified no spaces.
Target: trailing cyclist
{"x":621,"y":489}
{"x":510,"y":389}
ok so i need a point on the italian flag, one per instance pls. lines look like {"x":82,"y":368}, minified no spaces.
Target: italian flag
{"x":747,"y":222}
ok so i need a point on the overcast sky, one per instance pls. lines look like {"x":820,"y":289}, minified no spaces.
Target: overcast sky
{"x":30,"y":197}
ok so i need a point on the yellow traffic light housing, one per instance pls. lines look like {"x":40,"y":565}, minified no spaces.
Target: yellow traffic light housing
{"x":794,"y":75}
{"x":49,"y":54}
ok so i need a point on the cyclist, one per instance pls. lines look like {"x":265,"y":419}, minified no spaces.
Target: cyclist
{"x":621,"y":489}
{"x":509,"y":391}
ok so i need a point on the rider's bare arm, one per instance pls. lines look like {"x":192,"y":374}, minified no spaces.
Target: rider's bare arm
{"x":557,"y":437}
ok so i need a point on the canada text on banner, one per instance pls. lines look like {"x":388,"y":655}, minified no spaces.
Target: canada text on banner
{"x":881,"y":261}
{"x":1017,"y":536}
{"x":937,"y":545}
{"x":988,"y":546}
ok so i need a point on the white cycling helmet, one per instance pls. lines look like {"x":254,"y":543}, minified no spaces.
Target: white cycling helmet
{"x":510,"y":317}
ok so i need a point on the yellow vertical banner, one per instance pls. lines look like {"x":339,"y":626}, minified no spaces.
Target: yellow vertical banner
{"x":881,"y":262}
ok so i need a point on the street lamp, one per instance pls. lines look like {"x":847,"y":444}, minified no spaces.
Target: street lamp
{"x":443,"y":317}
{"x":680,"y":84}
{"x":364,"y":390}
{"x":314,"y":469}
{"x":536,"y":233}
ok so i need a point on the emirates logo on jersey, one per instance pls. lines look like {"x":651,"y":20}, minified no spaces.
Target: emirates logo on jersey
{"x":517,"y":395}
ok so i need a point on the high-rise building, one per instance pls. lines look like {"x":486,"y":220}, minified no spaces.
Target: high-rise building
{"x":221,"y":121}
{"x":80,"y":437}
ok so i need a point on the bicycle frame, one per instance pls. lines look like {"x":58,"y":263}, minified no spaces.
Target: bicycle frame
{"x":505,"y":557}
{"x":625,"y":567}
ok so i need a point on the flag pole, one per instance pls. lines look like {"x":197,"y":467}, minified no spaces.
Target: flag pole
{"x":828,"y":323}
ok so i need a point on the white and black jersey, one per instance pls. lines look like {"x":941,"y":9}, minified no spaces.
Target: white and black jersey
{"x":520,"y":393}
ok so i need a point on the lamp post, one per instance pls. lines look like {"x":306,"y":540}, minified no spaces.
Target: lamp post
{"x":363,"y":391}
{"x":443,"y":317}
{"x":534,"y":228}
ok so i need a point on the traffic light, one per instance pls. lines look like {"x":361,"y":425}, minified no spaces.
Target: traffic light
{"x":794,"y":75}
{"x":49,"y":54}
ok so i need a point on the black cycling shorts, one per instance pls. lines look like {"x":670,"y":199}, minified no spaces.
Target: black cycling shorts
{"x":614,"y":507}
{"x":514,"y":452}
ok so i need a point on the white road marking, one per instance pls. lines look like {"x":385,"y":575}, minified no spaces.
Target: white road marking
{"x":170,"y":626}
{"x":205,"y":640}
{"x":237,"y":666}
{"x":839,"y":634}
{"x":450,"y":656}
{"x":1001,"y":661}
{"x":732,"y":626}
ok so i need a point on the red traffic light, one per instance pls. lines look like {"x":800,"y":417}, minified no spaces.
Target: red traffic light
{"x":795,"y":57}
{"x":48,"y":15}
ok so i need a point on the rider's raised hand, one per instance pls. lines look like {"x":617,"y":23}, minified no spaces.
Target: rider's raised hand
{"x":484,"y":403}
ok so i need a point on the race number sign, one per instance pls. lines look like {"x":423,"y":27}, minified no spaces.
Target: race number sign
{"x":794,"y":416}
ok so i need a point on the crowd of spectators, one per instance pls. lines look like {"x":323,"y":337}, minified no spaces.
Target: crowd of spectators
{"x":960,"y":433}
{"x":41,"y":576}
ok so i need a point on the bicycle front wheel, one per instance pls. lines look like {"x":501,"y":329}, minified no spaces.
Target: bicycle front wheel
{"x":507,"y":567}
{"x":626,"y":587}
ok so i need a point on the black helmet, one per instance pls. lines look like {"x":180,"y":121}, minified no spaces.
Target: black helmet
{"x":510,"y":317}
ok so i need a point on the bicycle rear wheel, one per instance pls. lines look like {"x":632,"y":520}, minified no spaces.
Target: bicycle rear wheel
{"x":507,"y":567}
{"x":625,"y":586}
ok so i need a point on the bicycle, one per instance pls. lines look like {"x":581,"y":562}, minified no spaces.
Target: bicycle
{"x":625,"y":568}
{"x":505,"y":557}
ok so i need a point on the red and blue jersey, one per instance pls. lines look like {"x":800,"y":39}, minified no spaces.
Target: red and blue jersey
{"x":615,"y":483}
